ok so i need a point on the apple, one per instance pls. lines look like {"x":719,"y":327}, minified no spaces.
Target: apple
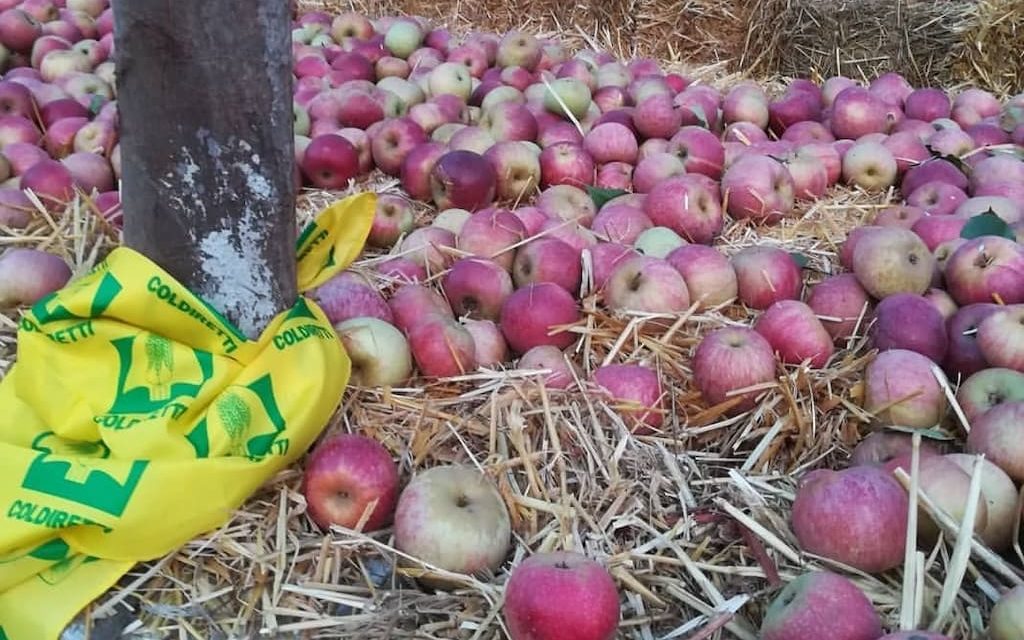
{"x":396,"y":138}
{"x":699,"y":106}
{"x":795,"y":333}
{"x":746,"y":102}
{"x":351,"y":25}
{"x":1000,"y":496}
{"x":551,"y":134}
{"x":430,"y":247}
{"x":548,"y":259}
{"x":350,"y":477}
{"x":615,"y":175}
{"x":441,"y":347}
{"x":16,"y":100}
{"x":59,"y":139}
{"x":758,"y":188}
{"x":709,"y":276}
{"x":532,"y":218}
{"x":988,"y":388}
{"x":686,"y":207}
{"x":18,"y":30}
{"x":551,"y":359}
{"x":15,"y":129}
{"x":411,"y":304}
{"x":517,"y":169}
{"x":490,"y":346}
{"x":766,"y":275}
{"x":987,"y":134}
{"x":821,"y":604}
{"x":1006,"y":621}
{"x":792,"y":108}
{"x":477,"y":287}
{"x":973,"y":105}
{"x":891,"y":260}
{"x":330,"y":162}
{"x":611,"y":142}
{"x":833,"y":86}
{"x":841,"y":304}
{"x":646,"y":284}
{"x":857,"y":516}
{"x":936,"y":170}
{"x":986,"y":269}
{"x":450,"y":77}
{"x":900,"y":389}
{"x":909,"y":321}
{"x":90,"y":172}
{"x":936,"y":229}
{"x":937,"y":198}
{"x":620,"y":223}
{"x":492,"y":233}
{"x":927,"y":103}
{"x":403,"y":37}
{"x":16,"y":210}
{"x":900,"y":215}
{"x":452,"y":517}
{"x":870,"y":165}
{"x":996,"y":434}
{"x":907,"y":149}
{"x":700,"y":150}
{"x":566,"y":163}
{"x":417,"y":167}
{"x":551,"y":593}
{"x":810,"y":177}
{"x":508,"y":121}
{"x":947,"y":484}
{"x":891,"y":87}
{"x":655,"y":168}
{"x":379,"y":352}
{"x":567,"y":203}
{"x":567,"y":93}
{"x":346,"y":296}
{"x":393,"y":218}
{"x":533,"y":315}
{"x":518,"y":49}
{"x":964,"y":357}
{"x":634,"y":392}
{"x":951,"y":142}
{"x":1001,"y":337}
{"x":657,"y":117}
{"x":452,"y":219}
{"x":463,"y":179}
{"x":605,"y":258}
{"x":728,"y":360}
{"x":51,"y":181}
{"x":997,"y":168}
{"x":401,"y":270}
{"x":881,"y":447}
{"x":942,"y":302}
{"x":28,"y":275}
{"x":857,"y":112}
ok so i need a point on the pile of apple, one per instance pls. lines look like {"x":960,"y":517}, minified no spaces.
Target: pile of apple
{"x":58,"y":127}
{"x":557,"y":179}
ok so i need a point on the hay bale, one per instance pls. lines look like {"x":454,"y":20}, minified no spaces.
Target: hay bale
{"x":856,"y":38}
{"x":692,"y":31}
{"x":990,"y":53}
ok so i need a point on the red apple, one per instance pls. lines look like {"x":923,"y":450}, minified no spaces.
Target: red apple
{"x":477,"y":287}
{"x":709,"y":275}
{"x":441,"y":347}
{"x":1001,"y":337}
{"x":611,"y":142}
{"x":758,"y":188}
{"x":728,"y":360}
{"x":414,"y":303}
{"x":818,"y":605}
{"x":910,"y":321}
{"x":417,"y":167}
{"x":605,"y":259}
{"x":857,"y":112}
{"x":841,"y":304}
{"x":28,"y":275}
{"x":530,"y":315}
{"x":646,"y":284}
{"x":517,"y":168}
{"x":986,"y":269}
{"x":348,"y":296}
{"x":766,"y":275}
{"x":51,"y":181}
{"x":18,"y":30}
{"x":349,"y":476}
{"x":330,"y":162}
{"x":566,"y":163}
{"x":937,"y":198}
{"x":90,"y":172}
{"x":634,"y":392}
{"x":880,"y":448}
{"x":857,"y":516}
{"x":795,"y":333}
{"x":551,"y":593}
{"x":901,"y":389}
{"x":548,"y":259}
{"x":463,"y":179}
{"x":429,"y":247}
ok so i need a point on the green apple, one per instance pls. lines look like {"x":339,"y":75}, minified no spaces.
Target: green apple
{"x":574,"y":93}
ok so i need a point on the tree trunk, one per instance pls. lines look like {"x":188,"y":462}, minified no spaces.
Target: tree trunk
{"x":205,"y":99}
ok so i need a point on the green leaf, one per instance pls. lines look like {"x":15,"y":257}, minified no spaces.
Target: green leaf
{"x":602,"y":196}
{"x":800,"y":259}
{"x":987,"y":224}
{"x":96,"y":104}
{"x":956,"y":161}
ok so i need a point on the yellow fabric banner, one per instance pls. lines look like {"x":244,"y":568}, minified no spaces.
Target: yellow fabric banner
{"x":137,"y":418}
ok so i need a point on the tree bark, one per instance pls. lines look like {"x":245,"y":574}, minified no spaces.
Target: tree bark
{"x":205,"y":100}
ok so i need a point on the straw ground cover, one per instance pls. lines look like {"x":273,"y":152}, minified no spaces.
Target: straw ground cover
{"x":692,"y":522}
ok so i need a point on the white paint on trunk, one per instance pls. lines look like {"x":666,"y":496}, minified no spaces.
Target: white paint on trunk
{"x":234,"y":277}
